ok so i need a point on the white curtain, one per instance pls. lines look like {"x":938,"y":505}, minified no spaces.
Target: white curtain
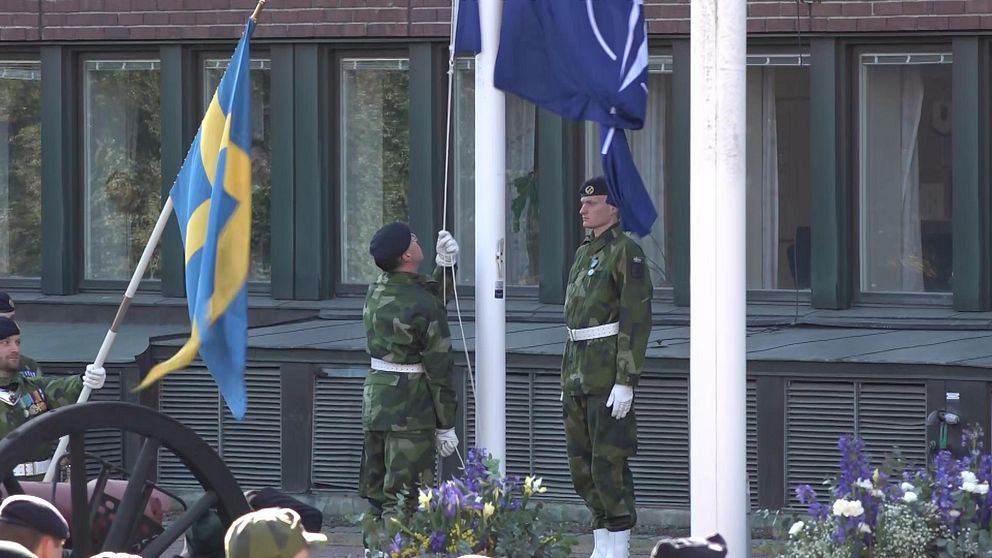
{"x":769,"y":182}
{"x":648,"y":148}
{"x":911,"y":107}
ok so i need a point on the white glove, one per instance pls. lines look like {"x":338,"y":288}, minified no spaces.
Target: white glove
{"x":621,"y":399}
{"x":447,"y":441}
{"x":447,"y":249}
{"x":94,"y":376}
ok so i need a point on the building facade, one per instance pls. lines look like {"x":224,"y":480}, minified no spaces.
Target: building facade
{"x":868,"y":233}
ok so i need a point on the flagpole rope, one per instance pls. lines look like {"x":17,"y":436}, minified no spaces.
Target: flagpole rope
{"x":444,"y":211}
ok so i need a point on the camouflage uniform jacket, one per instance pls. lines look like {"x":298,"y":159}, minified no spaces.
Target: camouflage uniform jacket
{"x":607,"y":283}
{"x":29,"y":394}
{"x":406,"y":323}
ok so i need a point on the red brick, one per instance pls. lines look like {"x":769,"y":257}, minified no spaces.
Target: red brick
{"x":61,"y":6}
{"x":127,"y":19}
{"x":91,"y":5}
{"x":755,"y":25}
{"x":763,"y":9}
{"x":155,"y":18}
{"x":423,"y":15}
{"x":947,"y":7}
{"x":142,"y":33}
{"x":386,"y":29}
{"x":117,"y":5}
{"x":14,"y":34}
{"x":965,"y":22}
{"x":168,"y":5}
{"x":825,"y":9}
{"x":978,"y":6}
{"x":850,"y":9}
{"x":838,"y":25}
{"x":902,"y":23}
{"x":932,"y":23}
{"x":887,"y":8}
{"x":871,"y":24}
{"x":183,"y":18}
{"x":780,"y":25}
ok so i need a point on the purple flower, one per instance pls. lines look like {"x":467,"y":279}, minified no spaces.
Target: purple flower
{"x":972,"y":438}
{"x":437,"y":540}
{"x":397,"y":544}
{"x":853,"y":464}
{"x":946,"y":477}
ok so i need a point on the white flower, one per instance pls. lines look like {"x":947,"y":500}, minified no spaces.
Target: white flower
{"x":907,"y":487}
{"x":968,"y":486}
{"x":954,"y":513}
{"x":848,"y":508}
{"x":967,"y":477}
{"x":909,"y":497}
{"x":877,"y":493}
{"x":864,"y":483}
{"x":796,"y":528}
{"x":982,"y":489}
{"x":864,"y":528}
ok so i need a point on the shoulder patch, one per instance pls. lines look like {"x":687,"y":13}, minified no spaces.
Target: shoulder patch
{"x":28,"y":373}
{"x":637,"y":267}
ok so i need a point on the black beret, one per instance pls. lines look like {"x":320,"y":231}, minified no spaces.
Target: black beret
{"x":8,"y":327}
{"x":6,"y":305}
{"x":594,"y":187}
{"x":34,"y":513}
{"x":390,"y":241}
{"x":713,"y":547}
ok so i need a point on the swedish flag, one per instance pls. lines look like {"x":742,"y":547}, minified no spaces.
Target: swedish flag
{"x":212,"y":198}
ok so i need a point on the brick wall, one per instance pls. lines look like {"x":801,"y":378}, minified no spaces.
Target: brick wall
{"x":70,"y":20}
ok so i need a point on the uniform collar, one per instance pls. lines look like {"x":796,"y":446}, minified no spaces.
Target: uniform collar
{"x":608,"y":235}
{"x":399,"y":278}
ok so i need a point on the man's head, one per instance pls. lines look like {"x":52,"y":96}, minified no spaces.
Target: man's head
{"x":10,"y":346}
{"x":596,"y":211}
{"x":270,"y":533}
{"x":6,"y":306}
{"x":394,"y":247}
{"x":35,"y":524}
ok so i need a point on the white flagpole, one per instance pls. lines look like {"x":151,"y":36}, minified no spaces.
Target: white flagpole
{"x":108,"y":340}
{"x":717,"y":281}
{"x":490,"y":227}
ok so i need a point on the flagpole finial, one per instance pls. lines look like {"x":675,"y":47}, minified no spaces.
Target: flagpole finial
{"x":258,"y":10}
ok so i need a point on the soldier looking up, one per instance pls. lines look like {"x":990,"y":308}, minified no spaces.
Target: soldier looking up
{"x":25,"y":394}
{"x":608,"y":317}
{"x":408,"y":403}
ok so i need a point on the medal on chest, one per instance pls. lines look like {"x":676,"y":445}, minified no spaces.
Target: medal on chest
{"x":593,"y":264}
{"x":34,"y":403}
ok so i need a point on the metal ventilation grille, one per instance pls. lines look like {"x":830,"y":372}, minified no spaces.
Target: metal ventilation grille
{"x":661,"y":471}
{"x":817,"y":415}
{"x":893,"y":416}
{"x":550,"y":458}
{"x":752,"y":442}
{"x":520,"y":414}
{"x":105,"y":444}
{"x":252,"y":448}
{"x":337,"y":432}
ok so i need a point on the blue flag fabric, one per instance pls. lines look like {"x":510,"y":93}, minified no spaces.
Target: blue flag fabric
{"x":585,"y":60}
{"x":212,"y":199}
{"x":468,"y":35}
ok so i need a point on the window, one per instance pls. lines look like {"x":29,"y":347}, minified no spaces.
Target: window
{"x":20,"y":169}
{"x":778,"y":190}
{"x":122,"y":173}
{"x":261,"y":158}
{"x":522,"y":213}
{"x":375,"y":157}
{"x":905,"y":173}
{"x":649,"y":146}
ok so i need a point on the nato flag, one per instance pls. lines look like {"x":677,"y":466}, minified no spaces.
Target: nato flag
{"x":585,"y":60}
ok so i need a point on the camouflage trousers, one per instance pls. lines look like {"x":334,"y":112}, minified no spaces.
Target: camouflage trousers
{"x":394,"y":466}
{"x":598,"y":448}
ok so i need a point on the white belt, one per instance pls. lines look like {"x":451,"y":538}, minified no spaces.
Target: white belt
{"x":32,"y":468}
{"x":594,"y":332}
{"x":379,"y":364}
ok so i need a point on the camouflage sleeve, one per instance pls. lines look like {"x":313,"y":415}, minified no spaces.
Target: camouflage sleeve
{"x":635,"y":314}
{"x":62,"y":390}
{"x":439,"y":366}
{"x":444,"y":281}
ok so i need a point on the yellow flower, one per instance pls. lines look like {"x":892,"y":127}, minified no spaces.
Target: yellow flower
{"x":488,"y":509}
{"x":425,"y":499}
{"x":532,"y":485}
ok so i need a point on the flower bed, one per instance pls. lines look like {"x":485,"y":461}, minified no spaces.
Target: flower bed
{"x":481,"y":512}
{"x":897,"y":511}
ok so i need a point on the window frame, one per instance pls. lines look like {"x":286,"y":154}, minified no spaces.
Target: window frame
{"x":24,"y":282}
{"x":855,"y":173}
{"x":200,"y":59}
{"x":78,"y":170}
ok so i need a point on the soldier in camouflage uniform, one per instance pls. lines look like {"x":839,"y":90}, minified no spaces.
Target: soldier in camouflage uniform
{"x":25,"y":394}
{"x":7,"y":310}
{"x":408,"y":402}
{"x":270,"y":533}
{"x":608,"y":316}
